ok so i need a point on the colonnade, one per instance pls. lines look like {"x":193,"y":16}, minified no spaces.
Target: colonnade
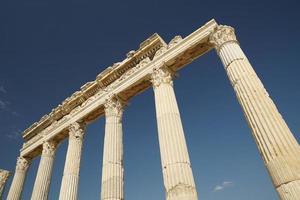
{"x":277,"y":145}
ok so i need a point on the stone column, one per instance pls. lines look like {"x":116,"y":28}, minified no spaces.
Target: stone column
{"x":277,"y":145}
{"x":69,"y":184}
{"x":4,"y":174}
{"x":16,"y":187}
{"x":43,"y":178}
{"x":112,"y":170}
{"x":176,"y":166}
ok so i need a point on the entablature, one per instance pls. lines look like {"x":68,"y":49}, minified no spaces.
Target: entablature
{"x":133,"y":80}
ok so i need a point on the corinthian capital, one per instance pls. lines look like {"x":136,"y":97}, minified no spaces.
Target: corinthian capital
{"x":76,"y":130}
{"x":222,"y":35}
{"x":161,"y":75}
{"x":114,"y":107}
{"x":22,"y":164}
{"x":4,"y":174}
{"x":49,"y":148}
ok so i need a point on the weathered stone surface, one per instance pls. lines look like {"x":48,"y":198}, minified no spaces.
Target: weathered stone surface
{"x":69,"y":184}
{"x":155,"y":63}
{"x":277,"y":145}
{"x":16,"y":187}
{"x":176,"y":166}
{"x":43,"y":177}
{"x":4,"y":174}
{"x":113,"y":169}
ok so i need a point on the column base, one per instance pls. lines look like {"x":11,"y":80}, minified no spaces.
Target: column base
{"x":182,"y":192}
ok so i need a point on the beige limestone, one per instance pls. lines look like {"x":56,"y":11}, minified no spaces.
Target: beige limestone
{"x":277,"y":145}
{"x":176,"y":166}
{"x":43,"y":178}
{"x":69,"y":184}
{"x":4,"y":174}
{"x":16,"y":188}
{"x":113,"y":170}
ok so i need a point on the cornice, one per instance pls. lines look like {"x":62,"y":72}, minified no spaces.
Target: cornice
{"x":104,"y":79}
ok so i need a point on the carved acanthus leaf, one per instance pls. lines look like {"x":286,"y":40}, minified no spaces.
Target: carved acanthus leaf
{"x":22,"y":164}
{"x":4,"y":174}
{"x":161,"y":75}
{"x":222,"y":35}
{"x":77,"y":130}
{"x":174,"y":41}
{"x":49,"y":148}
{"x":113,"y":107}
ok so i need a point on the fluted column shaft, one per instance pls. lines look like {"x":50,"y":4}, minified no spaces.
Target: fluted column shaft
{"x":69,"y":184}
{"x":177,"y":173}
{"x":4,"y":174}
{"x":112,"y":170}
{"x":16,"y":187}
{"x":277,"y":145}
{"x":43,"y":178}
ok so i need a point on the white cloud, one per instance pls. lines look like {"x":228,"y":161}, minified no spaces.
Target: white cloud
{"x":2,"y":89}
{"x":3,"y":105}
{"x":223,"y":186}
{"x":15,"y":134}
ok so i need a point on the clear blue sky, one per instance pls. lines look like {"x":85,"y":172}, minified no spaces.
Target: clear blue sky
{"x":48,"y":49}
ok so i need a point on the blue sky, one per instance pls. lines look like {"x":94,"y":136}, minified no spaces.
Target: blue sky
{"x":48,"y":49}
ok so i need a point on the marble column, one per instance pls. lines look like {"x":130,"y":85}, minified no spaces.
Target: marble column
{"x":176,"y":166}
{"x":112,"y":170}
{"x":277,"y":145}
{"x":16,"y":187}
{"x":69,"y":184}
{"x":4,"y":174}
{"x":43,"y":178}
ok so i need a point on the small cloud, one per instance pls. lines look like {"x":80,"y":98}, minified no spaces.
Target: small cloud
{"x":223,"y":186}
{"x":3,"y":105}
{"x":14,"y":134}
{"x":2,"y":89}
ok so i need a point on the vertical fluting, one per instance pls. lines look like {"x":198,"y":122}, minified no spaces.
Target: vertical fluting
{"x":4,"y":174}
{"x":16,"y":187}
{"x":70,"y":180}
{"x":177,"y":172}
{"x":43,"y":178}
{"x":277,"y":145}
{"x":112,"y":169}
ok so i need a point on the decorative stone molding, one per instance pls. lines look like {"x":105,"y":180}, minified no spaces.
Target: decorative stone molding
{"x":174,"y":41}
{"x":103,"y":81}
{"x":222,"y":35}
{"x":161,"y":51}
{"x":161,"y":75}
{"x":130,"y":53}
{"x":113,"y":107}
{"x":49,"y":148}
{"x":111,"y":80}
{"x":22,"y":164}
{"x":76,"y":130}
{"x":4,"y":174}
